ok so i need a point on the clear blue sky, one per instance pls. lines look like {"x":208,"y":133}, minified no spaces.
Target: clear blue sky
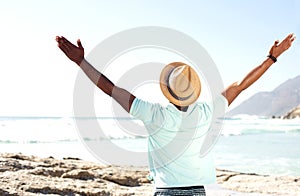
{"x":37,"y":79}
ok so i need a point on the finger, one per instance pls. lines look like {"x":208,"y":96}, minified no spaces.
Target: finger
{"x":59,"y":39}
{"x":276,"y":42}
{"x":293,"y":37}
{"x":63,"y":38}
{"x":288,"y":37}
{"x":68,"y":44}
{"x":66,"y":53}
{"x":63,"y":47}
{"x":79,"y":43}
{"x":66,"y":41}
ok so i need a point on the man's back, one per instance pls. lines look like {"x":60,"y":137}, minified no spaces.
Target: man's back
{"x":174,"y":143}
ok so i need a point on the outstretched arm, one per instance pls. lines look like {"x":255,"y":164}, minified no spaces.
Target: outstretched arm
{"x":276,"y":50}
{"x":76,"y":54}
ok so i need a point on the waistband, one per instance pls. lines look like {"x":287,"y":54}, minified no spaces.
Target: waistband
{"x":183,"y":191}
{"x":180,"y":188}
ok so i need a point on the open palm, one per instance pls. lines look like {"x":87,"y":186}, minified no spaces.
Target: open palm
{"x":278,"y":48}
{"x":74,"y":53}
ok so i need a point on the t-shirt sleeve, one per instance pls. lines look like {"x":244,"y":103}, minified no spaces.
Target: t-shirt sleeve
{"x":220,"y":103}
{"x":144,"y":110}
{"x":220,"y":106}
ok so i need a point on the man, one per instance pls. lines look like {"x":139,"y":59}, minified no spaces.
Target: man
{"x":183,"y":172}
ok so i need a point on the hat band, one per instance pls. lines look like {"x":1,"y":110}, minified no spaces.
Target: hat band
{"x":175,"y":96}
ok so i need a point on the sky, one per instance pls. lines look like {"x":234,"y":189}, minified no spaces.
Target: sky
{"x":36,"y":79}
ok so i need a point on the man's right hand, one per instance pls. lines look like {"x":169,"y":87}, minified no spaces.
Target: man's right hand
{"x":74,"y":53}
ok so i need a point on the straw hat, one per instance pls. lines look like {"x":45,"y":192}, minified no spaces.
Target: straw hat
{"x":180,"y":84}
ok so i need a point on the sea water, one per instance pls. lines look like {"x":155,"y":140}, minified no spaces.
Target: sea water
{"x":246,"y":144}
{"x":260,"y":145}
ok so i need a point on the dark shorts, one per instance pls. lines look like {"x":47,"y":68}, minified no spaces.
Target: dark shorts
{"x":186,"y":191}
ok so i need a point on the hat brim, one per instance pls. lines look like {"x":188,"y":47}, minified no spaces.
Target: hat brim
{"x":165,"y":88}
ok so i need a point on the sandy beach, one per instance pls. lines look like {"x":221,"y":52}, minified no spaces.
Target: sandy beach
{"x":31,"y":175}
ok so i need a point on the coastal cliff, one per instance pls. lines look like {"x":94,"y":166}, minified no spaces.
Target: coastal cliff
{"x":274,"y":103}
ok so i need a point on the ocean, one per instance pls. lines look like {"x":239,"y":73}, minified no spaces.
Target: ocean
{"x":248,"y":144}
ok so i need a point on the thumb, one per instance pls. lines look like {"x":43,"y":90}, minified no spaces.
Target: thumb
{"x":276,"y":42}
{"x":79,"y":43}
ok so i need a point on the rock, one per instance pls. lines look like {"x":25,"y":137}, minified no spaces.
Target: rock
{"x":6,"y":193}
{"x":53,"y":172}
{"x":79,"y":174}
{"x":295,"y":113}
{"x":126,"y":176}
{"x":254,"y":183}
{"x":71,"y":158}
{"x":29,"y":175}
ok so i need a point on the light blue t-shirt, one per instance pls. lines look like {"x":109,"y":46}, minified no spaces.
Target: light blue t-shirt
{"x":174,"y":143}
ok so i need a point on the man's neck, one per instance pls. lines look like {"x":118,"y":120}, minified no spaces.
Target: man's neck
{"x":182,"y":108}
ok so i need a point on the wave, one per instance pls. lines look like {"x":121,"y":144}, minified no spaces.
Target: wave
{"x":35,"y":141}
{"x":257,"y":125}
{"x":245,"y":117}
{"x":71,"y":140}
{"x":58,"y":129}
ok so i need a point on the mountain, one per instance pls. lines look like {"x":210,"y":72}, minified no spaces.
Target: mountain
{"x":275,"y":103}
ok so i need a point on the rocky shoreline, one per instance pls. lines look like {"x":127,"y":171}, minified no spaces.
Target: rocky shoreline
{"x":30,"y":175}
{"x":294,"y":113}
